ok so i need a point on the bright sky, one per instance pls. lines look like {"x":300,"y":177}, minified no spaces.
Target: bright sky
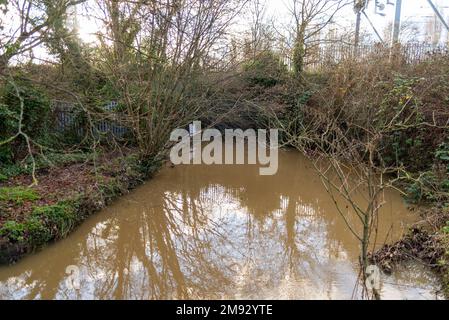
{"x":416,"y":11}
{"x":413,"y":11}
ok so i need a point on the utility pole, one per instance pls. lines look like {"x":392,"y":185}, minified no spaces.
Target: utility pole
{"x":357,"y":29}
{"x":437,"y":12}
{"x":373,"y":27}
{"x":397,"y":22}
{"x":359,"y":6}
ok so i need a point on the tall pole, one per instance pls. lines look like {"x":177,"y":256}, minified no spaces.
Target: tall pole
{"x":437,"y":12}
{"x":359,"y":6}
{"x":397,"y":21}
{"x":373,"y":27}
{"x":357,"y":29}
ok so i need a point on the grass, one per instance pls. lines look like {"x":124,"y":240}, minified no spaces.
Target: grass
{"x":44,"y":224}
{"x":18,"y":194}
{"x":59,"y":218}
{"x":13,"y":230}
{"x":42,"y":162}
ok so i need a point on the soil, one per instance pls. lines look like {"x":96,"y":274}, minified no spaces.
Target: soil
{"x":57,"y":184}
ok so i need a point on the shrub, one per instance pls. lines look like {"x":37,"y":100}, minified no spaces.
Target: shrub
{"x":43,"y":225}
{"x":36,"y":115}
{"x":38,"y":234}
{"x":58,"y":219}
{"x":13,"y":230}
{"x":31,"y":231}
{"x":442,"y":153}
{"x":265,"y":70}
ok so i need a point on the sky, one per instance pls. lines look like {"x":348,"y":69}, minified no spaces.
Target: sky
{"x":416,"y":11}
{"x":413,"y":11}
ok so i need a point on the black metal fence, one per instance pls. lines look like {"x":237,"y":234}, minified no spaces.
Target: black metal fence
{"x":68,"y":118}
{"x":319,"y":57}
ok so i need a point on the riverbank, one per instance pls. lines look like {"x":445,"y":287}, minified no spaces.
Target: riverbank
{"x":71,"y":188}
{"x":398,"y":130}
{"x":426,"y":242}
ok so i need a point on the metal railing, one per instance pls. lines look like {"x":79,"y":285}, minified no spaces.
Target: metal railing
{"x":68,"y":118}
{"x":319,"y":57}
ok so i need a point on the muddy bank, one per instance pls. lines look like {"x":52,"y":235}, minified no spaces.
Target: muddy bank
{"x":65,"y":196}
{"x":426,"y":242}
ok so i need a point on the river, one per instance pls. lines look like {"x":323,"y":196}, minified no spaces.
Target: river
{"x":217,"y":232}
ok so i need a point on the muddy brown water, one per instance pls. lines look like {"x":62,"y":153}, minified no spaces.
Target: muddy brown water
{"x":217,"y":232}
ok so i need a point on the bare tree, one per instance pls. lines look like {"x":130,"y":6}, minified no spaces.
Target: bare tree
{"x":259,"y":35}
{"x":310,"y":17}
{"x":35,"y":18}
{"x":154,"y":53}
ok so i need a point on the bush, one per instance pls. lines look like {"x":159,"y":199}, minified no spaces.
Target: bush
{"x":266,"y":70}
{"x":423,"y":189}
{"x":31,"y":231}
{"x":36,"y":115}
{"x":14,"y":231}
{"x":37,"y":233}
{"x":43,"y":225}
{"x":442,"y":154}
{"x":433,"y":185}
{"x":58,"y":219}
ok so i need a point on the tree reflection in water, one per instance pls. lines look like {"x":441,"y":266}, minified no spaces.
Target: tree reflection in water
{"x":197,"y":232}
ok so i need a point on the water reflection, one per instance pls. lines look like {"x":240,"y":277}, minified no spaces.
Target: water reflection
{"x":212,"y":232}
